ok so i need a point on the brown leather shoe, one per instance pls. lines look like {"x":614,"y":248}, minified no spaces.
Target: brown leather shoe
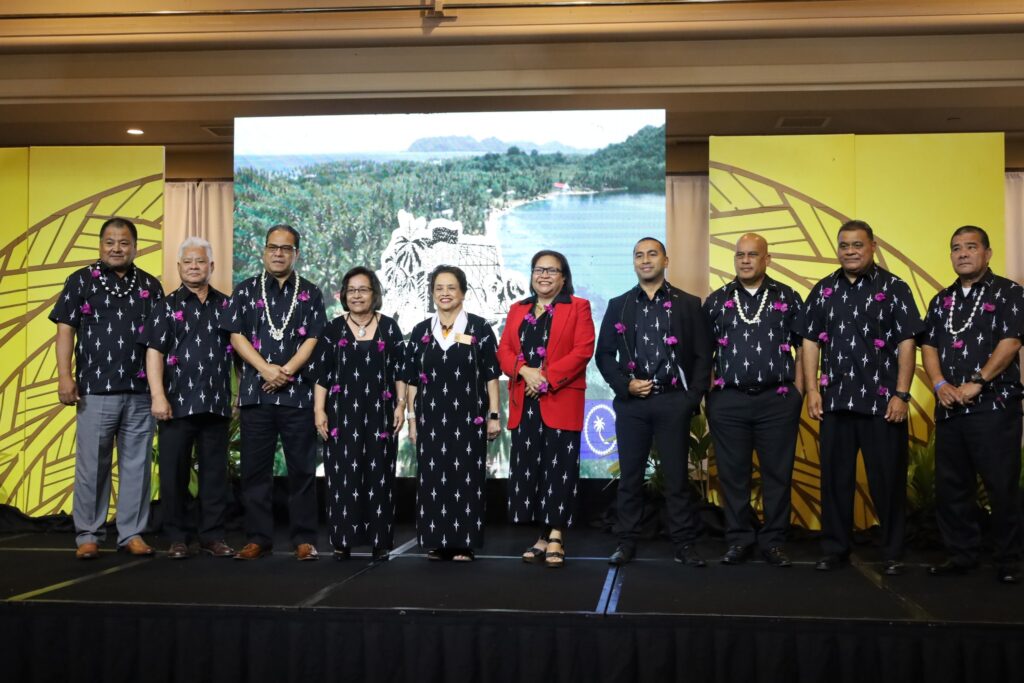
{"x":252,"y":551}
{"x":217,"y":549}
{"x":306,"y":551}
{"x":87,"y":551}
{"x":136,"y":546}
{"x":178,"y":551}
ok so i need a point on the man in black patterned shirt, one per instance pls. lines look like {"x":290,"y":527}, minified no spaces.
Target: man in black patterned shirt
{"x":861,"y":320}
{"x":188,"y":365}
{"x":654,"y":351}
{"x":99,"y":314}
{"x":970,"y":350}
{"x":274,"y":320}
{"x":755,"y":399}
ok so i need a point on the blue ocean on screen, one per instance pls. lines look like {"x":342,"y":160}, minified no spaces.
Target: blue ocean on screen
{"x":596,"y":232}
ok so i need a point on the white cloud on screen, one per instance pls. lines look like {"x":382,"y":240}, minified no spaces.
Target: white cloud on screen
{"x":376,"y":133}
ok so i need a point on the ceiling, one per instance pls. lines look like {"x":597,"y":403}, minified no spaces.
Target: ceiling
{"x":895,"y":75}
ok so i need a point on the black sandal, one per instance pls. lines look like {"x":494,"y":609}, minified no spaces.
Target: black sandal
{"x":463,"y":555}
{"x":435,"y":555}
{"x":554,"y":558}
{"x":533,"y":554}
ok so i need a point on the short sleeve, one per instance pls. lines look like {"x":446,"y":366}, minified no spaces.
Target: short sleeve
{"x":487,"y":358}
{"x":157,"y":332}
{"x":68,"y":307}
{"x":907,"y":322}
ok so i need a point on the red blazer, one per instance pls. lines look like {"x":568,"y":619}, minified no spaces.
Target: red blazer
{"x":570,"y":348}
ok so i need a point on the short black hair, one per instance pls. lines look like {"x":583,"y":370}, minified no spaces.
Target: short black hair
{"x":970,"y":228}
{"x":460,"y":276}
{"x":566,"y":271}
{"x":378,"y":292}
{"x":652,"y":239}
{"x":850,"y":226}
{"x":118,"y":222}
{"x":285,"y":228}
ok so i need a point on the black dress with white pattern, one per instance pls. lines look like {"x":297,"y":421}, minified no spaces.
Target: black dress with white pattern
{"x":451,"y":445}
{"x":362,"y":448}
{"x":544,"y":463}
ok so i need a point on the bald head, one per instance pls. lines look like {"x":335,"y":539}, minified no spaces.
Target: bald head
{"x":751,"y":259}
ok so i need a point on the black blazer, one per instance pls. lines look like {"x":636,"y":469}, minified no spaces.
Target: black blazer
{"x":689,"y":326}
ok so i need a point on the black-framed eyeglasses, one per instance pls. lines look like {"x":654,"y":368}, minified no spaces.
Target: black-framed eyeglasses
{"x":282,"y":248}
{"x":546,"y":271}
{"x":359,"y":290}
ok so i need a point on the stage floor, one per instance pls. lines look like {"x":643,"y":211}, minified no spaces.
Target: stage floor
{"x":41,"y":568}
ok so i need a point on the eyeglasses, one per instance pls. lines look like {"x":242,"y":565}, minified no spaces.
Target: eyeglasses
{"x":359,"y":290}
{"x":280,"y":248}
{"x":547,"y":271}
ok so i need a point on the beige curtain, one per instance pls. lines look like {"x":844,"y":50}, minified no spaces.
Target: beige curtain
{"x":687,"y":233}
{"x":1015,"y":226}
{"x":201,"y":209}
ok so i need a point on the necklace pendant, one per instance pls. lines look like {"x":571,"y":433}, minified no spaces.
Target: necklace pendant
{"x":361,"y":332}
{"x":277,"y":335}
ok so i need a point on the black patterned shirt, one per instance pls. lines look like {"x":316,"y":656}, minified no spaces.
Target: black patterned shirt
{"x":197,"y":353}
{"x":994,"y":307}
{"x":759,"y":353}
{"x":654,"y":358}
{"x":247,"y":315}
{"x":859,"y":327}
{"x":108,"y":359}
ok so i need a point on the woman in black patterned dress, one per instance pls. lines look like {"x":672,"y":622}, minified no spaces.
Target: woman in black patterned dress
{"x":452,"y":374}
{"x":358,"y":409}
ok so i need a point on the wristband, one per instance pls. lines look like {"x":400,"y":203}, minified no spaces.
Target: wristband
{"x":939,"y":384}
{"x":410,"y":416}
{"x":493,"y":416}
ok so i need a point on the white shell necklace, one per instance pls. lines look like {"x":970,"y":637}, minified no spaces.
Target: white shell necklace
{"x":970,"y":318}
{"x":278,"y":332}
{"x":739,"y":307}
{"x":115,"y":291}
{"x":362,"y":326}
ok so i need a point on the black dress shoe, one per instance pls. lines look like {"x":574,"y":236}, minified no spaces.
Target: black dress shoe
{"x":689,"y":556}
{"x":776,"y":557}
{"x":830,"y":563}
{"x":342,"y":554}
{"x":893,"y":568}
{"x":178,"y":551}
{"x":1008,"y":573}
{"x":950,"y":568}
{"x":622,"y":556}
{"x":736,"y":554}
{"x":380,"y":554}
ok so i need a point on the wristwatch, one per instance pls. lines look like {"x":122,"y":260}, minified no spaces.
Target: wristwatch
{"x":902,"y":395}
{"x":978,"y":379}
{"x":493,"y":416}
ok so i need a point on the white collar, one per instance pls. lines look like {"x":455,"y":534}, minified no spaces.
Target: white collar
{"x":458,"y":327}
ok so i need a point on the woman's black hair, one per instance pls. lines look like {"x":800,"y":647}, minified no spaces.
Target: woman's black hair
{"x":378,"y":291}
{"x":460,"y":276}
{"x":566,"y":271}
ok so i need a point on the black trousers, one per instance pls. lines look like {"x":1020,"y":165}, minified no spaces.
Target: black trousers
{"x":741,"y":423}
{"x":208,"y":435}
{"x":985,"y":444}
{"x":261,"y":426}
{"x":664,"y":421}
{"x":884,"y":446}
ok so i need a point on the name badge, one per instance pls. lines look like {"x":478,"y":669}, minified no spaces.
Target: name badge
{"x":463,"y":338}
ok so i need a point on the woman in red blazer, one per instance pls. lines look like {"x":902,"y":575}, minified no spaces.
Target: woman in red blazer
{"x":545,"y":347}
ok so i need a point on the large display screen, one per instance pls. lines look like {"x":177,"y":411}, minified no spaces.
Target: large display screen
{"x":403,"y":193}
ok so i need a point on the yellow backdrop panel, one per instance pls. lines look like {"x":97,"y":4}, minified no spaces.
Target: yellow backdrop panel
{"x":13,"y":292}
{"x":797,"y":190}
{"x":67,"y":194}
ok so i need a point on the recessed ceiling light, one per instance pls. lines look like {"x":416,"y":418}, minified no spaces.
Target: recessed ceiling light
{"x":135,"y":131}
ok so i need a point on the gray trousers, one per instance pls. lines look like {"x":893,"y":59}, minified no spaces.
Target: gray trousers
{"x":102,"y":421}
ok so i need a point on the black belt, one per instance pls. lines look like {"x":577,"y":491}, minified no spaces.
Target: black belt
{"x":755,"y":389}
{"x":665,"y":388}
